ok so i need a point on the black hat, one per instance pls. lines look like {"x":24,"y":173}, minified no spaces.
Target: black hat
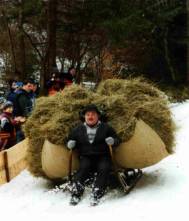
{"x":91,"y":107}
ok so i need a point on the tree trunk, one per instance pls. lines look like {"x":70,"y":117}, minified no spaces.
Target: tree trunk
{"x":51,"y":32}
{"x":78,"y":73}
{"x":167,"y":57}
{"x":99,"y":68}
{"x":21,"y":45}
{"x":11,"y":42}
{"x":187,"y":78}
{"x":43,"y":78}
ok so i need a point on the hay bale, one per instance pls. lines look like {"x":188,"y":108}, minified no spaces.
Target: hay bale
{"x":52,"y":119}
{"x":124,"y":101}
{"x":145,"y":148}
{"x":52,"y":153}
{"x":148,"y":102}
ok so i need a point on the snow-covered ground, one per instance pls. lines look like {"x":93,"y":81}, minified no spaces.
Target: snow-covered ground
{"x":162,"y":193}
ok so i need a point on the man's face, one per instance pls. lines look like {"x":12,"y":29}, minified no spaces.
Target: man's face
{"x":29,"y":87}
{"x":73,"y":72}
{"x":13,"y":86}
{"x":34,"y":88}
{"x":91,"y":118}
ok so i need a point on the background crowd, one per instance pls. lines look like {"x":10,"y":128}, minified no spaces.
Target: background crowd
{"x":20,"y":101}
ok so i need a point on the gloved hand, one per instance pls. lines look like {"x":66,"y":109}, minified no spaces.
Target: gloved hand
{"x":71,"y":144}
{"x":110,"y":140}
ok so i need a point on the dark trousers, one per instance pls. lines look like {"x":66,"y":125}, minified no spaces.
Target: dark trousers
{"x":99,"y":163}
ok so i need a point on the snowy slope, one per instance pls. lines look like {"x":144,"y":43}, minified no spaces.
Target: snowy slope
{"x":162,"y":193}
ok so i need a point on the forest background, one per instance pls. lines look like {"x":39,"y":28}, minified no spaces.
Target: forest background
{"x":102,"y":39}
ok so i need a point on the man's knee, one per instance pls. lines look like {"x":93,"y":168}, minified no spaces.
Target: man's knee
{"x":104,"y":166}
{"x":85,"y":164}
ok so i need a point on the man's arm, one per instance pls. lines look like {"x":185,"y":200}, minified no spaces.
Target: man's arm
{"x":71,"y":141}
{"x":72,"y":134}
{"x":112,"y":133}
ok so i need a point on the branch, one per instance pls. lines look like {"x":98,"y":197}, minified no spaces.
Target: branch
{"x":10,"y":39}
{"x":33,"y":44}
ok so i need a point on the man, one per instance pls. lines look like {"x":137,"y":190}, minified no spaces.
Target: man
{"x":11,"y":94}
{"x":23,"y":101}
{"x":33,"y":94}
{"x":69,"y":77}
{"x":55,"y":84}
{"x":91,"y":139}
{"x":23,"y":104}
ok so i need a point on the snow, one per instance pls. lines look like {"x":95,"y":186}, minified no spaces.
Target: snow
{"x":161,"y":194}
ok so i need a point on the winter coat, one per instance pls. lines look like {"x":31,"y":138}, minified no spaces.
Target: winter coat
{"x":67,"y":78}
{"x":54,"y":86}
{"x":12,"y":96}
{"x":23,"y":104}
{"x":8,"y":126}
{"x":99,"y":146}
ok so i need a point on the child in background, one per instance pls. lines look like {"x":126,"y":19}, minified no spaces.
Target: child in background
{"x":8,"y":123}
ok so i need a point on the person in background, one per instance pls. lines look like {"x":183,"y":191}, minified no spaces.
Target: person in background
{"x":69,"y":77}
{"x":91,"y":139}
{"x":55,"y":84}
{"x":8,"y":124}
{"x":2,"y":101}
{"x":19,"y":86}
{"x":33,"y":94}
{"x":23,"y":100}
{"x":23,"y":105}
{"x":11,"y":94}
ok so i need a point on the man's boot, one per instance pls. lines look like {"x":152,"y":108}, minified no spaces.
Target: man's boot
{"x":76,"y":193}
{"x":96,"y":195}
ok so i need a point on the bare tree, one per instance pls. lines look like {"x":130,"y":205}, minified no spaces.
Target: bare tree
{"x":21,"y":43}
{"x":51,"y":33}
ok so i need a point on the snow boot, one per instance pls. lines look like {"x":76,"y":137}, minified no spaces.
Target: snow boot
{"x":75,"y":199}
{"x":96,"y":195}
{"x":77,"y":191}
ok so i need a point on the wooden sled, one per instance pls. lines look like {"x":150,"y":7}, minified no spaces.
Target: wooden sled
{"x":12,"y":161}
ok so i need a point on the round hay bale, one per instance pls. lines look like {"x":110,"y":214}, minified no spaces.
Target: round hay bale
{"x":55,"y":160}
{"x":124,"y":102}
{"x":146,"y":102}
{"x":144,"y":149}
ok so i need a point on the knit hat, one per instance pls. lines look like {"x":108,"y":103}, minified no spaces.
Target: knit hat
{"x":6,"y":105}
{"x":19,"y":84}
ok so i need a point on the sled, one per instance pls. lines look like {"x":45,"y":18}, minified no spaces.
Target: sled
{"x":129,"y":178}
{"x":12,"y":161}
{"x":4,"y":139}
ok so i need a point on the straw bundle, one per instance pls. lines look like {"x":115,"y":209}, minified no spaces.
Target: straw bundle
{"x":124,"y":102}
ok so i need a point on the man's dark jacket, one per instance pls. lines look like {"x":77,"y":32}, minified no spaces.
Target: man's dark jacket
{"x":23,"y":104}
{"x":99,"y":146}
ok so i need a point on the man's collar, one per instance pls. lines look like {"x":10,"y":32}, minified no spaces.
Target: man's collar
{"x":93,"y":126}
